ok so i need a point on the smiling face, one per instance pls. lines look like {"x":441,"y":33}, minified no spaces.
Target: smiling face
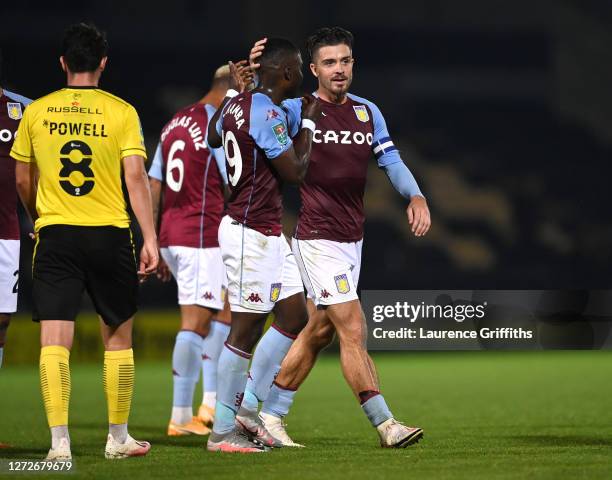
{"x":333,"y":66}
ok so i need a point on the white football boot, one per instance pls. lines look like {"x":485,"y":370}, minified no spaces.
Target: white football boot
{"x":61,"y":453}
{"x":131,"y":448}
{"x":394,"y":434}
{"x":276,"y":427}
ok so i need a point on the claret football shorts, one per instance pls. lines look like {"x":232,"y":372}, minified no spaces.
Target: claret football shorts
{"x":261,"y":270}
{"x":330,"y":270}
{"x":71,"y":259}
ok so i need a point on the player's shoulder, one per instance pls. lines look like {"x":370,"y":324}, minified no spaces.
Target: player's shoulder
{"x":362,"y":100}
{"x":15,"y":97}
{"x":263,"y":109}
{"x":292,"y":103}
{"x":43,"y":101}
{"x":114,"y":101}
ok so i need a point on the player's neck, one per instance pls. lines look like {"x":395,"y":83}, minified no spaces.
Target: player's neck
{"x":214,"y":98}
{"x":276,"y":96}
{"x":83,"y":79}
{"x":330,"y":97}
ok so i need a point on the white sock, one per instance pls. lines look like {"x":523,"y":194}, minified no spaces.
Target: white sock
{"x":209,"y":399}
{"x":57,"y":433}
{"x":118,"y":431}
{"x":1,"y":354}
{"x":181,"y":415}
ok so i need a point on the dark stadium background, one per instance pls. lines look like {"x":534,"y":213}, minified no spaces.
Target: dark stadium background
{"x":501,"y":109}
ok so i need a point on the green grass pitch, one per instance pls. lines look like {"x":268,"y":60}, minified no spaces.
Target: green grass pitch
{"x":486,"y":415}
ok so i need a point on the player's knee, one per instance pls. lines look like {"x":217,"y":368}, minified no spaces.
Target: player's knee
{"x":244,"y":338}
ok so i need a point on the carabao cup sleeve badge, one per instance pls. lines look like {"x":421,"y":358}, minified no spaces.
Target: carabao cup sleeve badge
{"x":280,"y":132}
{"x":342,"y":283}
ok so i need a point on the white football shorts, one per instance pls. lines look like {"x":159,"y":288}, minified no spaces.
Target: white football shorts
{"x":330,"y":270}
{"x":9,"y":275}
{"x":261,"y":270}
{"x":199,"y":273}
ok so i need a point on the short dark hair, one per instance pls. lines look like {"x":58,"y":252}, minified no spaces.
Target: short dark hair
{"x":277,"y":49}
{"x":83,"y":47}
{"x":327,"y":36}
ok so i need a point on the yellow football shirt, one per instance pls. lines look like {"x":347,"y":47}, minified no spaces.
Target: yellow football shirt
{"x":78,"y":138}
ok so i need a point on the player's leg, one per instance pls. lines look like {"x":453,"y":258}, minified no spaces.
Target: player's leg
{"x":118,"y":379}
{"x":290,"y":317}
{"x":5,"y":320}
{"x":185,"y":264}
{"x":233,"y":368}
{"x":9,"y":276}
{"x":56,"y":342}
{"x":318,"y":334}
{"x":57,"y":286}
{"x":360,"y":373}
{"x":253,"y":263}
{"x":112,"y":284}
{"x":212,"y":346}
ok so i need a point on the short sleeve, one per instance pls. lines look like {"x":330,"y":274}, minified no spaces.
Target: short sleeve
{"x":293,"y":108}
{"x":132,"y":141}
{"x":23,"y":150}
{"x":269,"y":127}
{"x":156,"y":170}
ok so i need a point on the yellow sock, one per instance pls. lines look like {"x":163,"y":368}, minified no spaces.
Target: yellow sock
{"x":55,"y":383}
{"x":118,"y":384}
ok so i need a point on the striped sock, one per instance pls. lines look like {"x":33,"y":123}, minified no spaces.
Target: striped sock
{"x":118,"y":380}
{"x":55,"y":383}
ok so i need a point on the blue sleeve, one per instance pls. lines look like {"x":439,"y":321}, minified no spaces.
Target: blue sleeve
{"x":17,"y":98}
{"x":402,"y":179}
{"x":157,"y":165}
{"x":218,"y":153}
{"x":383,"y":147}
{"x":293,"y":107}
{"x":269,"y":127}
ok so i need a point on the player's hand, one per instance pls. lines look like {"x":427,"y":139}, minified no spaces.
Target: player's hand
{"x":149,"y":259}
{"x":256,"y":52}
{"x":241,"y":76}
{"x":418,"y":216}
{"x":311,"y":108}
{"x":33,"y":236}
{"x":163,"y":272}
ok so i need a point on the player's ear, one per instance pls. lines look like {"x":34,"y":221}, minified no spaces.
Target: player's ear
{"x":287,"y":74}
{"x":313,"y":69}
{"x":62,"y":63}
{"x":103,"y":63}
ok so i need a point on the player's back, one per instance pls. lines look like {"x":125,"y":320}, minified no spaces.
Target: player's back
{"x":254,"y":132}
{"x":11,"y":111}
{"x":78,"y":138}
{"x":193,"y":192}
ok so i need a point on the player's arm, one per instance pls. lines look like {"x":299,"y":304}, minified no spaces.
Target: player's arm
{"x":292,"y":164}
{"x":241,"y":78}
{"x":140,"y":199}
{"x":26,"y":180}
{"x":156,"y":177}
{"x":26,"y":170}
{"x":400,"y":176}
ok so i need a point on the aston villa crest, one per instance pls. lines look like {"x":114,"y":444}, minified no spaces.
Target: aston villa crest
{"x":14,"y":110}
{"x":275,"y":290}
{"x":362,"y":113}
